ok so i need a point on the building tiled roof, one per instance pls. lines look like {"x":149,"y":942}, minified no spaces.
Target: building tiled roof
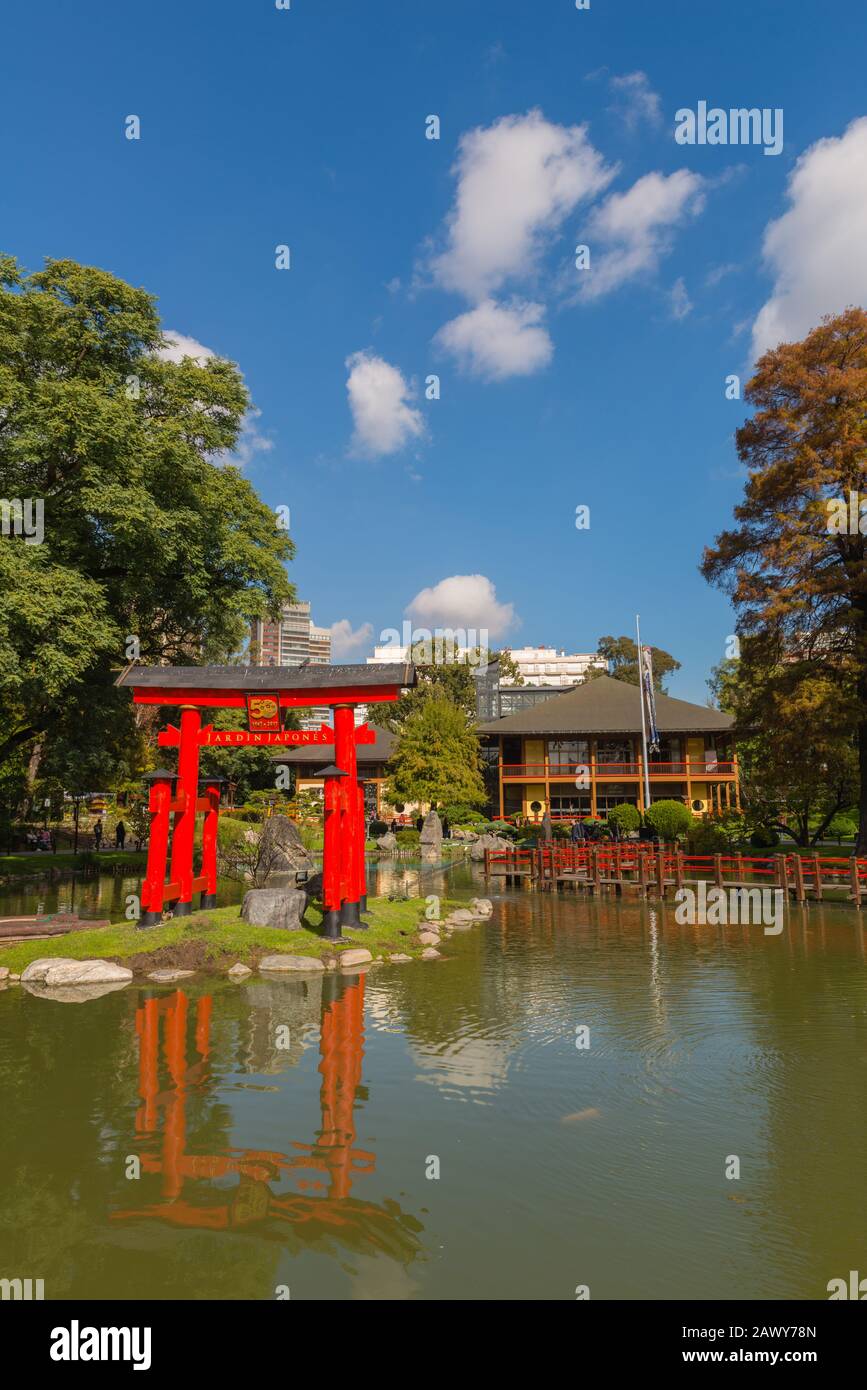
{"x":315,"y":755}
{"x":313,"y":676}
{"x":608,"y":706}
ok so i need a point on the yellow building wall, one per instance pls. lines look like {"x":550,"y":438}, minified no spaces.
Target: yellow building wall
{"x":534,"y":792}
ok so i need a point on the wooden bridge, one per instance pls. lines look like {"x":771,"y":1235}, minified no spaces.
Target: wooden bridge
{"x":652,"y":870}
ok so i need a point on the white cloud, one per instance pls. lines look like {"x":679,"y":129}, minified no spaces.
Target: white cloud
{"x":379,"y":400}
{"x":817,"y":251}
{"x":462,"y":601}
{"x":178,"y":346}
{"x":681,"y":304}
{"x":496,"y":341}
{"x":345,"y":641}
{"x":637,"y":227}
{"x":517,"y":181}
{"x":251,"y":441}
{"x":636,"y":102}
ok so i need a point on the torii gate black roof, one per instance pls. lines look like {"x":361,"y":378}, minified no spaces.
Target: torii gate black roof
{"x":315,"y":676}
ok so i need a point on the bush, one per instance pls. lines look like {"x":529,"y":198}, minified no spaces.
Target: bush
{"x":842,"y":828}
{"x":670,"y":819}
{"x":706,"y":837}
{"x":377,"y":828}
{"x":626,"y":817}
{"x":764,"y":838}
{"x":461,"y":814}
{"x":408,"y":839}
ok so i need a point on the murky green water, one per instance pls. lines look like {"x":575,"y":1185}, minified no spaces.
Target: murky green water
{"x":285,"y":1130}
{"x":104,"y":896}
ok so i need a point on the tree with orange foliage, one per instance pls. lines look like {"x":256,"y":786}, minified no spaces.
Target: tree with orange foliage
{"x":795,"y":566}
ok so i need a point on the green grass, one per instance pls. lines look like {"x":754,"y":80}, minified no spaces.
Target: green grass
{"x":36,"y":864}
{"x":211,"y":938}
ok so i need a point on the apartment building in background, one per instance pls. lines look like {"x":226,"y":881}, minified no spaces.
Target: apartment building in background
{"x":291,"y":641}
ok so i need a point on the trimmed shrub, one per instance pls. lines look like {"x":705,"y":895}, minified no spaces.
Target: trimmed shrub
{"x":626,"y":817}
{"x":408,"y":839}
{"x":670,"y":819}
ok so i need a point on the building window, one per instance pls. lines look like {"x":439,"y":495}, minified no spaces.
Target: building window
{"x":568,"y":752}
{"x":610,"y":750}
{"x":565,"y":806}
{"x":611,"y":794}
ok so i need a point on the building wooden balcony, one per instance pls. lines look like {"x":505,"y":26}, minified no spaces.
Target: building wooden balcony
{"x":693,"y":769}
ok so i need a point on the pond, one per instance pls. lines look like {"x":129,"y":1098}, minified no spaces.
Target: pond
{"x":431,"y":1131}
{"x":104,"y":896}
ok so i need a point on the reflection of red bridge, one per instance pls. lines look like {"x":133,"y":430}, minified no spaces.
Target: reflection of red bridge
{"x":332,"y":1154}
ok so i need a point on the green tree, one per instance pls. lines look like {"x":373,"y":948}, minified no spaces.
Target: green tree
{"x":444,"y":673}
{"x":794,"y":564}
{"x":437,"y":757}
{"x":621,"y":653}
{"x":155,"y":547}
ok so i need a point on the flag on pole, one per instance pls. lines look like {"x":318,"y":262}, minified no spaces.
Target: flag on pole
{"x":649,"y":697}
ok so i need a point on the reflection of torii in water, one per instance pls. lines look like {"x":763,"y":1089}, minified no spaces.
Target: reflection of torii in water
{"x":252,"y":1203}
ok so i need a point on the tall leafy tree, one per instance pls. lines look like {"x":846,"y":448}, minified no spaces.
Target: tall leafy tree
{"x":154,"y":546}
{"x":621,"y":653}
{"x":796,"y":575}
{"x":437,"y":757}
{"x":444,"y":673}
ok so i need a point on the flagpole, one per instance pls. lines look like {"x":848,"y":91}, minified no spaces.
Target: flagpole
{"x":643,"y":720}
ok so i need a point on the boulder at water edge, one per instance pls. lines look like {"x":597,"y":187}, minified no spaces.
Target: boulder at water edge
{"x":477,"y":849}
{"x":59,"y":972}
{"x":290,"y":965}
{"x":266,"y":907}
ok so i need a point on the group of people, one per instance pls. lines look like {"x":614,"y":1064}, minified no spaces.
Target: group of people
{"x":119,"y":834}
{"x":40,"y":840}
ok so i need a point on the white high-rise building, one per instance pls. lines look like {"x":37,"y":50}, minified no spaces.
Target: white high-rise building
{"x":548,"y":666}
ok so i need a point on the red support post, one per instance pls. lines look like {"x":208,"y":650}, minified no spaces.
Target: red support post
{"x":153,"y":887}
{"x":185,"y":819}
{"x":360,"y":860}
{"x":331,"y":859}
{"x":345,"y":759}
{"x":209,"y":841}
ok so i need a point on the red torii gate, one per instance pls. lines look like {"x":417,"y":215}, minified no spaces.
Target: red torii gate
{"x":264,"y":691}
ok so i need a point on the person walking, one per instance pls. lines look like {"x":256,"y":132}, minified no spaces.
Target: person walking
{"x":120,"y":834}
{"x":97,"y":834}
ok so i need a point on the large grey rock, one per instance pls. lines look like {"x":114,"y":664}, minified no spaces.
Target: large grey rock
{"x":477,"y":849}
{"x":388,"y":842}
{"x":431,"y":832}
{"x":482,"y":907}
{"x":59,"y":972}
{"x":429,"y":938}
{"x":283,"y":847}
{"x":289,"y":965}
{"x":268,"y":907}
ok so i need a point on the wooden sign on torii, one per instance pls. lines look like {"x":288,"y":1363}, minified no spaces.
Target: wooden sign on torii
{"x":263,"y":691}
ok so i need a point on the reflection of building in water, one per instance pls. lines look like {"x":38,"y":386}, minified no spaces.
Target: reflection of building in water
{"x":323,"y":1172}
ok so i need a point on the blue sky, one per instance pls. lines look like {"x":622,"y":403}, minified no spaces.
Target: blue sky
{"x":411,"y":257}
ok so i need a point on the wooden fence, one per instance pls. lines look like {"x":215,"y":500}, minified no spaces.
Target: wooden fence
{"x":646,"y":869}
